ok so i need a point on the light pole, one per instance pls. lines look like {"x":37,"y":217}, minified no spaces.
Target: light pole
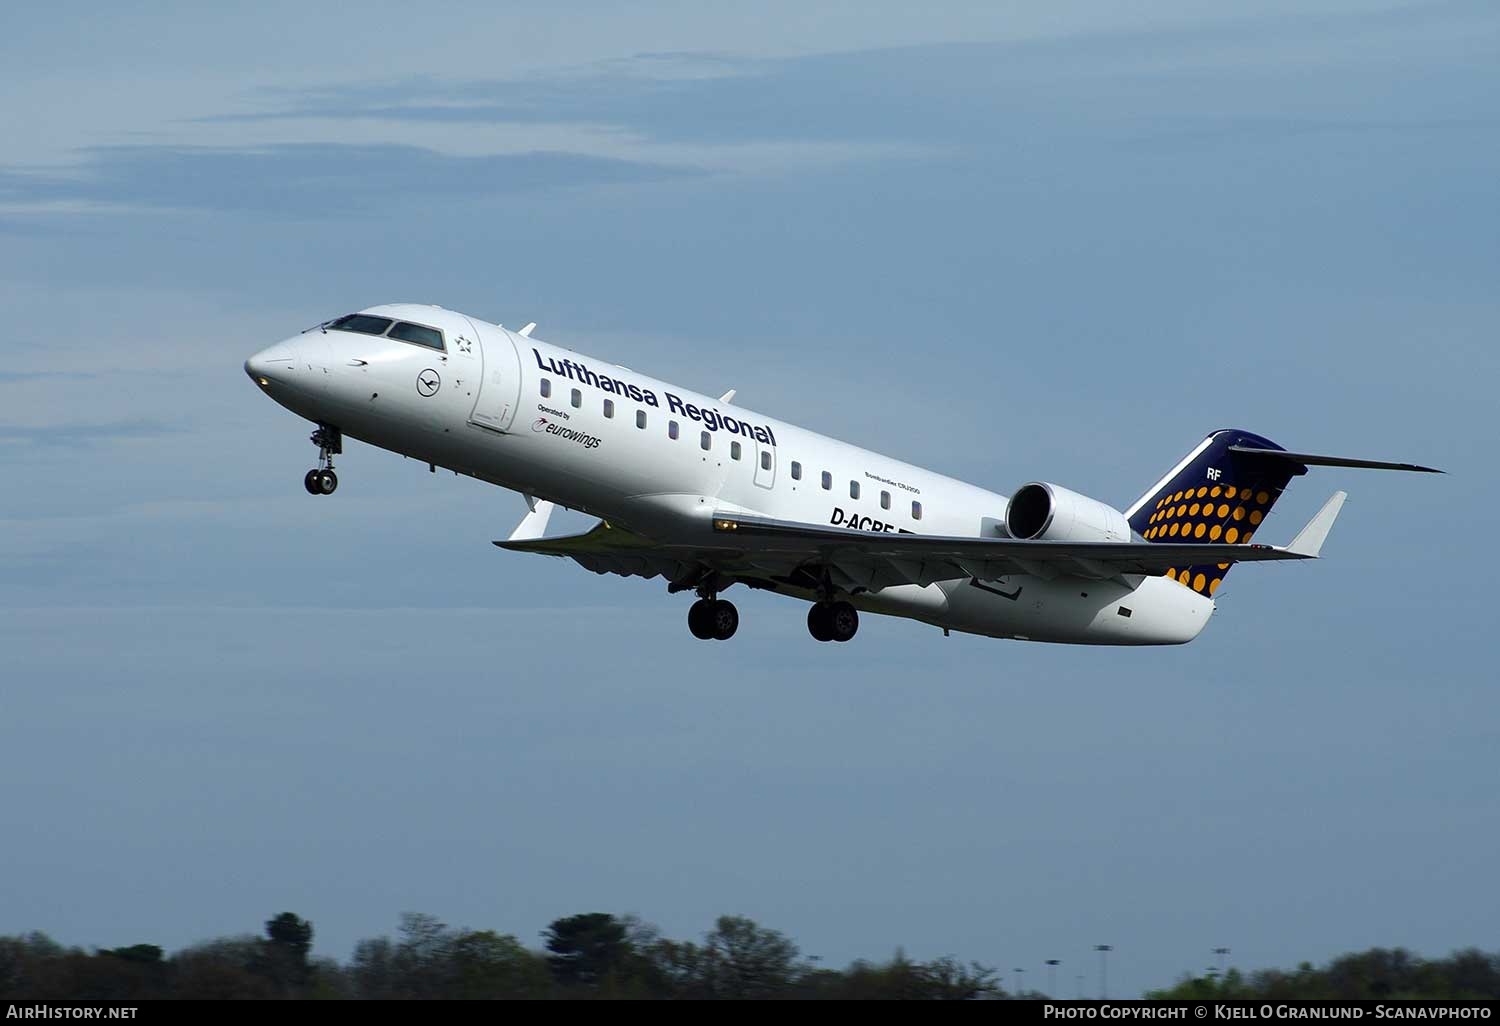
{"x":1052,"y":964}
{"x":1018,"y":973}
{"x":1104,"y":950}
{"x":1221,"y":952}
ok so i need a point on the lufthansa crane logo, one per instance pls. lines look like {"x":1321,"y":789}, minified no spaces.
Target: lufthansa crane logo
{"x":428,"y":383}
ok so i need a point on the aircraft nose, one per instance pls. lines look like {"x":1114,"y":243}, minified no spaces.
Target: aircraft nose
{"x":269,"y":364}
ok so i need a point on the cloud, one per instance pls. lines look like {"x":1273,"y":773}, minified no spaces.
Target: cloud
{"x":913,"y":94}
{"x":13,"y":377}
{"x":311,"y":180}
{"x":82,"y":434}
{"x":365,"y":145}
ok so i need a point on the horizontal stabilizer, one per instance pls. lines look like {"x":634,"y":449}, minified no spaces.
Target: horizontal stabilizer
{"x":1309,"y":540}
{"x":1310,"y":460}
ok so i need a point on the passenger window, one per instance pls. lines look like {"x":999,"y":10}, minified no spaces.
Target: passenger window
{"x":827,"y":481}
{"x":546,"y":388}
{"x":577,"y":398}
{"x":706,"y":440}
{"x":916,"y":511}
{"x":609,"y":408}
{"x":734,"y":450}
{"x":672,"y":429}
{"x":765,"y":459}
{"x":853,"y":489}
{"x":640,"y":419}
{"x":885,"y":500}
{"x":429,"y":337}
{"x":796,"y":471}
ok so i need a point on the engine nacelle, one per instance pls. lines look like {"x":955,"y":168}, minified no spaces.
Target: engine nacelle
{"x":1048,"y":512}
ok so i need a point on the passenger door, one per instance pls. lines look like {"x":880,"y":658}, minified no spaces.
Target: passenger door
{"x":500,"y":381}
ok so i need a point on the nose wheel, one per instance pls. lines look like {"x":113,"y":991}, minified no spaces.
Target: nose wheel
{"x":321,"y":480}
{"x":713,"y":619}
{"x":832,"y":621}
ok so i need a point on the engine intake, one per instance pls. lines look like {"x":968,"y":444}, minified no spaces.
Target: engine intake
{"x":1047,"y":512}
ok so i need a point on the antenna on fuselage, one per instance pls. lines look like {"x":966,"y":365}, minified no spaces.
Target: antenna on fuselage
{"x":526,"y":331}
{"x":727,"y":397}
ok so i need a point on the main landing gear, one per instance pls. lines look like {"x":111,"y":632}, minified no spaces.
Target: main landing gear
{"x":713,"y":618}
{"x":832,"y":621}
{"x":321,"y":480}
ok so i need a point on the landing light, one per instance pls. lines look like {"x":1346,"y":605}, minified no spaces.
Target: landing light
{"x":263,"y":382}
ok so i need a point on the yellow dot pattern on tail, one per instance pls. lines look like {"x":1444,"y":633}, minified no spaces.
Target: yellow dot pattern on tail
{"x":1216,"y":497}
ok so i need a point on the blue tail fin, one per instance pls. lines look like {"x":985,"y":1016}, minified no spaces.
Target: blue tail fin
{"x":1213,"y":495}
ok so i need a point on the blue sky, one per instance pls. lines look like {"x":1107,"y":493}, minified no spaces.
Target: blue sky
{"x":1012,"y":242}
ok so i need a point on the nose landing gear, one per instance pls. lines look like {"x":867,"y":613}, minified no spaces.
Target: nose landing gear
{"x":321,"y":480}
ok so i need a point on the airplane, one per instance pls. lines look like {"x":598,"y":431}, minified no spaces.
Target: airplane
{"x":707,"y":494}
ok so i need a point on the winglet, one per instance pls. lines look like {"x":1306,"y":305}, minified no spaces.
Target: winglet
{"x":534,"y":524}
{"x":727,"y":397}
{"x":1309,"y":540}
{"x":526,"y":331}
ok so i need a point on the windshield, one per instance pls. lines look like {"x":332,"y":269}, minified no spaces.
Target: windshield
{"x":404,"y":331}
{"x":429,"y":337}
{"x":362,"y":323}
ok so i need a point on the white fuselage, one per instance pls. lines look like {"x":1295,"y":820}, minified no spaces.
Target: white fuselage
{"x":598,"y":437}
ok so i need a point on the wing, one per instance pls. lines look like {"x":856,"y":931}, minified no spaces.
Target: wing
{"x":923,"y":559}
{"x":758,"y":548}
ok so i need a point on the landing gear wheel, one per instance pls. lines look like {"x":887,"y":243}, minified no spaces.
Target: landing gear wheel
{"x":843,"y":621}
{"x":724,"y":618}
{"x":321,"y":480}
{"x":818,"y":622}
{"x":700,"y":619}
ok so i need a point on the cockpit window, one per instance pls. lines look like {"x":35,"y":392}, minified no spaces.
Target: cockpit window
{"x":429,"y":337}
{"x":362,"y":323}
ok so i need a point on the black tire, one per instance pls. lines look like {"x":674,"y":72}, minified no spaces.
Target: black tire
{"x":327,"y":481}
{"x":818,"y":624}
{"x":843,"y":621}
{"x":700,"y":622}
{"x":724,"y":618}
{"x":310,"y":482}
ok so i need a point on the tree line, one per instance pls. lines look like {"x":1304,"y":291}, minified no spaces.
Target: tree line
{"x":599,"y":955}
{"x":593,"y":955}
{"x":1379,"y":974}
